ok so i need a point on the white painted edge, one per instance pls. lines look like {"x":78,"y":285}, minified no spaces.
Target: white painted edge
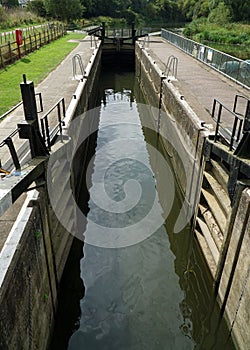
{"x":5,"y":200}
{"x":12,"y":242}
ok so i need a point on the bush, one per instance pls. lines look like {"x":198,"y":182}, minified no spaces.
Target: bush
{"x":3,"y":15}
{"x":17,"y":17}
{"x":196,"y":26}
{"x":231,"y":33}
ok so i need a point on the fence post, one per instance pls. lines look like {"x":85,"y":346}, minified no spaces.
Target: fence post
{"x":2,"y":61}
{"x":30,"y":43}
{"x":24,"y":45}
{"x":35,"y":41}
{"x":10,"y":53}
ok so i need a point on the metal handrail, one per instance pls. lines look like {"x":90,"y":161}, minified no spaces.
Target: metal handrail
{"x":146,"y":40}
{"x":9,"y":143}
{"x":78,"y":58}
{"x":246,"y":115}
{"x":93,"y":38}
{"x":47,"y":134}
{"x":20,"y":103}
{"x":171,"y":63}
{"x":236,"y":133}
{"x":232,"y":67}
{"x":94,"y":30}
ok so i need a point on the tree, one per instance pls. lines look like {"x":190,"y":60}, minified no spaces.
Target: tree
{"x":192,"y":9}
{"x":37,"y":6}
{"x":10,"y":3}
{"x":220,"y":15}
{"x":65,"y":10}
{"x":240,"y":9}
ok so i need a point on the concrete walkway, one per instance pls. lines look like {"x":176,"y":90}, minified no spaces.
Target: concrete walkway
{"x":197,"y":82}
{"x":59,"y":83}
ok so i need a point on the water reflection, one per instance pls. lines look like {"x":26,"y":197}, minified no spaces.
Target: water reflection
{"x":133,"y":299}
{"x":153,"y":295}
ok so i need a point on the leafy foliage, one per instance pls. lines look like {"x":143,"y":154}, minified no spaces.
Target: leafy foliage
{"x":37,"y":7}
{"x":217,"y":11}
{"x":192,"y":9}
{"x":18,"y":17}
{"x":220,"y":14}
{"x":9,"y":3}
{"x":65,"y":10}
{"x":132,"y":10}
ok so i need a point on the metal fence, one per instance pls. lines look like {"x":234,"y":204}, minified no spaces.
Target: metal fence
{"x":124,"y":32}
{"x":10,"y":51}
{"x":51,"y":125}
{"x":234,"y":68}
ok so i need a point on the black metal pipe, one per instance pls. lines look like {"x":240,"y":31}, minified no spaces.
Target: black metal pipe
{"x":13,"y":153}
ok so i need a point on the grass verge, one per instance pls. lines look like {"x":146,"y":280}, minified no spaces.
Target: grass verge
{"x":37,"y":65}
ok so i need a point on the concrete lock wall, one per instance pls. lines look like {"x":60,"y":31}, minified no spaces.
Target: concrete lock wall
{"x":28,"y":291}
{"x":34,"y":256}
{"x":177,"y":122}
{"x":234,"y":289}
{"x":180,"y":121}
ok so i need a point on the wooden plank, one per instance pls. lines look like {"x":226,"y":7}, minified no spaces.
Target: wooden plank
{"x":216,"y":210}
{"x":206,"y":253}
{"x":212,"y":226}
{"x":209,"y":239}
{"x":221,"y":195}
{"x":220,"y":173}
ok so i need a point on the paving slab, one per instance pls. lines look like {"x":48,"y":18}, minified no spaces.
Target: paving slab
{"x":196,"y":81}
{"x":59,"y":83}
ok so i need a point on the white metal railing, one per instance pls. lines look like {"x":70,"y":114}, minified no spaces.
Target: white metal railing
{"x":233,"y":67}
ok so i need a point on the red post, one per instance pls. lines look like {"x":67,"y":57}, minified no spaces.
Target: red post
{"x":19,"y":41}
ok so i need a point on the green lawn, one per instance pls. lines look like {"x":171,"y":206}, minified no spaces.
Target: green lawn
{"x":36,"y":66}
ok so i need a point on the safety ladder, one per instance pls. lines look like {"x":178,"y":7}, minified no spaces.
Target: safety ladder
{"x":77,"y":59}
{"x":171,"y":66}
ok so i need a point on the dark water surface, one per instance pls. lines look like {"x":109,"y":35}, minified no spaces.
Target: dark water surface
{"x":133,"y":287}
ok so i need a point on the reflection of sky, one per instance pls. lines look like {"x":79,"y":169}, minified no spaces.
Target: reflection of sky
{"x":132,"y":299}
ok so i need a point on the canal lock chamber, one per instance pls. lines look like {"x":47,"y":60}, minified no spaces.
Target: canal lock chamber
{"x":131,"y":280}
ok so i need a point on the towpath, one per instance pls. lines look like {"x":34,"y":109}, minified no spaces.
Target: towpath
{"x":59,"y":83}
{"x":196,"y":81}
